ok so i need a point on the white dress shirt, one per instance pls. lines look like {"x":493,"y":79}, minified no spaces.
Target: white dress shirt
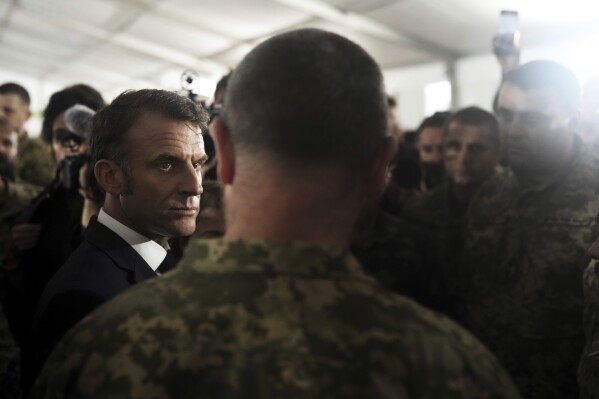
{"x":152,"y":252}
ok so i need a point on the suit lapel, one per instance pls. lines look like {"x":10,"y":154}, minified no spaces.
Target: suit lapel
{"x":122,"y":254}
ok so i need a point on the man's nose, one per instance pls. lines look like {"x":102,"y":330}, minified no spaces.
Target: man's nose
{"x":191,"y":181}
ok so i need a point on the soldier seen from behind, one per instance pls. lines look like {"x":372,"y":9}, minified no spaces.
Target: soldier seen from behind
{"x":279,"y":308}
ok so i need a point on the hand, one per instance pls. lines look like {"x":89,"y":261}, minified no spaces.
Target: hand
{"x":25,"y":236}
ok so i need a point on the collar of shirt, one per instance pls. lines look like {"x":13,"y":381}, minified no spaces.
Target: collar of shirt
{"x":152,"y":252}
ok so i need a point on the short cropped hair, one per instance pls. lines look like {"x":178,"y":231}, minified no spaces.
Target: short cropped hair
{"x":549,"y":75}
{"x":438,"y":119}
{"x":65,"y":99}
{"x":111,"y":124}
{"x":475,"y":116}
{"x":15,"y":88}
{"x":309,"y":96}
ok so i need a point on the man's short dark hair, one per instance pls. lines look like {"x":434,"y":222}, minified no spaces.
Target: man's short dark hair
{"x":14,"y":88}
{"x":308,"y":96}
{"x":438,"y":119}
{"x":475,"y":116}
{"x":65,"y":99}
{"x":221,"y":87}
{"x":111,"y":124}
{"x":547,"y":75}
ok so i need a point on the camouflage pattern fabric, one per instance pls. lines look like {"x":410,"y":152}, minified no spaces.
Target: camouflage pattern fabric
{"x":12,"y":205}
{"x":35,"y":164}
{"x":519,"y":284}
{"x":588,"y":372}
{"x":381,"y":248}
{"x":259,"y":319}
{"x":431,"y":224}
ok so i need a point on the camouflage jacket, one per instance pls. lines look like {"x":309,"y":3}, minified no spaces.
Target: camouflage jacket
{"x":381,"y":250}
{"x":259,"y":319}
{"x":519,"y":283}
{"x":35,"y":164}
{"x":431,"y":224}
{"x":588,"y":372}
{"x":13,"y":203}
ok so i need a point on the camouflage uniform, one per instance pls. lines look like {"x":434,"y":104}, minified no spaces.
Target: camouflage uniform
{"x":588,"y":372}
{"x":520,"y":279}
{"x":382,"y":250}
{"x":35,"y":164}
{"x":12,"y":205}
{"x":259,"y":319}
{"x":431,"y":224}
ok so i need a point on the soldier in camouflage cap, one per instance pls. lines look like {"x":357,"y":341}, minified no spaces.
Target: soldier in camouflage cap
{"x":279,"y":309}
{"x":519,"y":284}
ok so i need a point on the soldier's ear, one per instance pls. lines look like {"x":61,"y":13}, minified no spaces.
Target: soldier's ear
{"x":225,"y":151}
{"x":376,"y":179}
{"x":110,"y":176}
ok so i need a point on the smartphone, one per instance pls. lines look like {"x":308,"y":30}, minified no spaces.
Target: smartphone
{"x":507,"y":39}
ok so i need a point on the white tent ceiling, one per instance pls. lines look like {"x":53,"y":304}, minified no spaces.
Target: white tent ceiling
{"x":118,"y":44}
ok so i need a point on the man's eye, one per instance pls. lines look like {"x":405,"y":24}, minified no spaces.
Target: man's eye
{"x":197,"y":165}
{"x":166,"y":166}
{"x":452,"y":146}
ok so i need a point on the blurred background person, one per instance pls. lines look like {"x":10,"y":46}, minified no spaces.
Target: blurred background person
{"x":432,"y":222}
{"x":51,"y":226}
{"x":35,"y":163}
{"x":429,"y":143}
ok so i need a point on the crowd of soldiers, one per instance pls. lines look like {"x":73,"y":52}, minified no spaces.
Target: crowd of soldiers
{"x":303,"y":246}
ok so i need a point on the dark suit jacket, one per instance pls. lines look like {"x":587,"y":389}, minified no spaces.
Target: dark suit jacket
{"x":100,"y":268}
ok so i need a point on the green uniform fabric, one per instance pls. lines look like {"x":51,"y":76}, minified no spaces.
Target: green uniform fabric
{"x":431,"y":224}
{"x":588,"y":372}
{"x":35,"y":164}
{"x":259,"y":319}
{"x":13,"y":202}
{"x":381,"y":249}
{"x":520,"y":277}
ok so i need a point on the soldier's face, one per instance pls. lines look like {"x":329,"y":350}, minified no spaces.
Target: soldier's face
{"x":534,"y":123}
{"x":13,"y":112}
{"x":165,"y":158}
{"x":470,"y":153}
{"x":430,"y":145}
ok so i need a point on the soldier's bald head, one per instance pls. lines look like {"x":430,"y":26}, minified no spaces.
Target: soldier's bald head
{"x":307,"y":96}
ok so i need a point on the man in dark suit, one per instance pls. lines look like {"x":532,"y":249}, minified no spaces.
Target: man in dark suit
{"x":147,"y":151}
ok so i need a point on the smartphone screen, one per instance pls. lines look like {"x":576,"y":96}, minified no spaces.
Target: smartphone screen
{"x":508,"y":22}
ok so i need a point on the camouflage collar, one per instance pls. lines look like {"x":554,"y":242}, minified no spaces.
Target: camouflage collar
{"x":269,"y":257}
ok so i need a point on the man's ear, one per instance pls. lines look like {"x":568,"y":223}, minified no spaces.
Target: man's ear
{"x":225,"y":151}
{"x":375,"y":181}
{"x":110,"y":176}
